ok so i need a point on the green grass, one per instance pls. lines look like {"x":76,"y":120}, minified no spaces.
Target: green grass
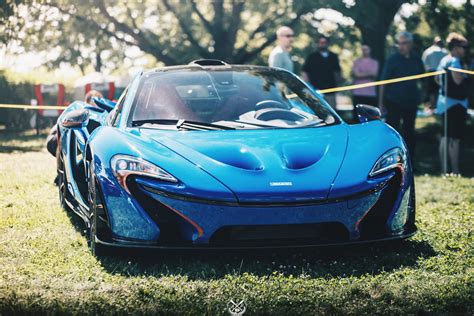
{"x":46,"y":266}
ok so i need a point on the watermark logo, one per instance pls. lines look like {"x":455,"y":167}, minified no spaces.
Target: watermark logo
{"x":236,"y":309}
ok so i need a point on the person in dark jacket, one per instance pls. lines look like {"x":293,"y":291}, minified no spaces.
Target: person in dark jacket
{"x":400,"y":100}
{"x":322,"y":70}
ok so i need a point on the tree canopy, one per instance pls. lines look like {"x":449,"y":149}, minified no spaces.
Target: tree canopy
{"x":95,"y":32}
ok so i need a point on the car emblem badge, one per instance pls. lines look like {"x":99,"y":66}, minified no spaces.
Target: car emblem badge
{"x":281,"y":184}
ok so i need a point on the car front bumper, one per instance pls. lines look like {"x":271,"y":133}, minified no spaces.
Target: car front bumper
{"x":385,"y":213}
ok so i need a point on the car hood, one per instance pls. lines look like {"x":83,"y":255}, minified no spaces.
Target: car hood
{"x":264,"y":166}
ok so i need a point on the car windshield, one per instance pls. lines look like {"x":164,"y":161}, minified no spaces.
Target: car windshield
{"x":209,"y":99}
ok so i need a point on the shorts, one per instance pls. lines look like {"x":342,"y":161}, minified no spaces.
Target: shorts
{"x":457,"y":116}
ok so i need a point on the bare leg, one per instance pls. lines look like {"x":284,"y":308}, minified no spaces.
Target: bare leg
{"x":453,"y":152}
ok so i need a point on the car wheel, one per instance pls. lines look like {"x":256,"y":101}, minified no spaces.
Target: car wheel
{"x":96,"y":208}
{"x":62,"y":182}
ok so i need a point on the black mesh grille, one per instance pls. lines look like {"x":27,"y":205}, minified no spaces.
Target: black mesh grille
{"x":280,"y":234}
{"x":374,"y":223}
{"x":169,"y":223}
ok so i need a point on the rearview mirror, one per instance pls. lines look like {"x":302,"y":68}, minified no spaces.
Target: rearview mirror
{"x":367,"y":113}
{"x":104,"y":103}
{"x":76,"y":118}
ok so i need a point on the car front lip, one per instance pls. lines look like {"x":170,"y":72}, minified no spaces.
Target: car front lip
{"x":117,"y":243}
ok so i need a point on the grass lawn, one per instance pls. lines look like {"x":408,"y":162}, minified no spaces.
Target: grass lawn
{"x":46,"y":266}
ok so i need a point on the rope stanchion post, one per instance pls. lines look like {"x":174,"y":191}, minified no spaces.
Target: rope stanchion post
{"x":445,"y":132}
{"x":34,"y":102}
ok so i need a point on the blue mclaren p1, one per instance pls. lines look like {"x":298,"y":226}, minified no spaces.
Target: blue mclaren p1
{"x":211,"y":155}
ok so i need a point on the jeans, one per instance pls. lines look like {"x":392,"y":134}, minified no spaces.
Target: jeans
{"x":402,"y":118}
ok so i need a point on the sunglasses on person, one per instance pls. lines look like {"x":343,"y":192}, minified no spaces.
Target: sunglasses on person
{"x":288,"y":35}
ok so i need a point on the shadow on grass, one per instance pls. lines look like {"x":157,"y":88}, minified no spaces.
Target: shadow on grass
{"x":313,"y":262}
{"x":22,"y":141}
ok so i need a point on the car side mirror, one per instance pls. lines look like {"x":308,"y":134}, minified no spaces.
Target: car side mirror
{"x":367,"y":113}
{"x":104,"y":103}
{"x":76,"y":118}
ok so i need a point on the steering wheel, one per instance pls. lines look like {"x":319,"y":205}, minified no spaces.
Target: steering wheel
{"x":277,"y":114}
{"x":265,"y":104}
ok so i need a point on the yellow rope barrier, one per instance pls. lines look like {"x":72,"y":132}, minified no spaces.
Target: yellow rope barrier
{"x":469,"y":72}
{"x":382,"y":82}
{"x":32,"y":107}
{"x":337,"y":89}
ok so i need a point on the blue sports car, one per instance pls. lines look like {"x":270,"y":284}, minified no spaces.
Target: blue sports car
{"x":211,"y":155}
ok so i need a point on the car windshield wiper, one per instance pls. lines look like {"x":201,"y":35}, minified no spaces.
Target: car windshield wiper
{"x":183,"y":124}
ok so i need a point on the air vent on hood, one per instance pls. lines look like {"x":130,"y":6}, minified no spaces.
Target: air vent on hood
{"x":300,"y":155}
{"x":233,"y":155}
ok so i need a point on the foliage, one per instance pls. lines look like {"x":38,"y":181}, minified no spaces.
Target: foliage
{"x":439,"y":17}
{"x":46,"y":267}
{"x":174,"y":32}
{"x":8,"y":9}
{"x":19,"y":93}
{"x":373,"y":18}
{"x":177,"y":32}
{"x":100,"y":34}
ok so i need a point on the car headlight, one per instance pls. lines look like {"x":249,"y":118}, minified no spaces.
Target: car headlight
{"x":394,"y":158}
{"x":123,"y":166}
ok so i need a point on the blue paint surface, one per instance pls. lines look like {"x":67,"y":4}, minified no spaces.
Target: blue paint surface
{"x":325,"y":168}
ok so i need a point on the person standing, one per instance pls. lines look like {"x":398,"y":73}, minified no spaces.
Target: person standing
{"x":365,"y":70}
{"x":431,"y":58}
{"x":400,"y":100}
{"x":280,"y":55}
{"x":322,"y":70}
{"x":454,"y":101}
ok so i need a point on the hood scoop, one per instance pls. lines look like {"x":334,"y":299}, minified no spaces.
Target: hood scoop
{"x":301,"y":155}
{"x":232,"y":155}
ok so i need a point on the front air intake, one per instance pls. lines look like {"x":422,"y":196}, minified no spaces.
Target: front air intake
{"x":278,"y":235}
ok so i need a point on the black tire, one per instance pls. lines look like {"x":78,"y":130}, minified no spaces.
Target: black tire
{"x":62,"y":182}
{"x":96,"y":208}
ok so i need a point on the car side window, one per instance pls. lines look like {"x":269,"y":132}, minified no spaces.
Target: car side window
{"x":112,"y":119}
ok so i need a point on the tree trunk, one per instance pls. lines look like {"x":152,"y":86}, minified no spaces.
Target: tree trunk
{"x":373,"y":18}
{"x":468,"y":24}
{"x":376,"y":39}
{"x":98,"y":61}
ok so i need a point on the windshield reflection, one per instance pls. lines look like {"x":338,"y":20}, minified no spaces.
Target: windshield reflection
{"x":238,"y":98}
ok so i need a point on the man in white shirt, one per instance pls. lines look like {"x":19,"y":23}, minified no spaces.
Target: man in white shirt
{"x":280,"y":56}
